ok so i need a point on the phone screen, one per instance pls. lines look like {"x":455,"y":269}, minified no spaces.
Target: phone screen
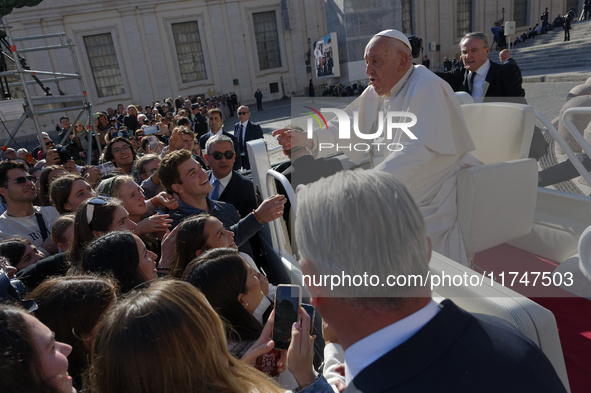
{"x":288,"y":299}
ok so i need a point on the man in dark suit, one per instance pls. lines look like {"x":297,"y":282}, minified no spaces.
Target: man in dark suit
{"x":199,"y":121}
{"x":258,"y":95}
{"x":245,"y":131}
{"x":505,"y":57}
{"x":214,"y":118}
{"x":481,"y":78}
{"x":396,"y":338}
{"x":228,"y":185}
{"x":427,"y":62}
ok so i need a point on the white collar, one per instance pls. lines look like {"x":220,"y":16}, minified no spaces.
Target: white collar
{"x":221,"y":130}
{"x":223,"y":181}
{"x":370,"y":348}
{"x":483,"y":70}
{"x":398,"y":86}
{"x":244,"y":124}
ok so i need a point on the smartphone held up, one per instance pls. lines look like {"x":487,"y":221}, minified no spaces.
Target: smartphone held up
{"x":288,"y":300}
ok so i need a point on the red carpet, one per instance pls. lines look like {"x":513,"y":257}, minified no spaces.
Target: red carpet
{"x":573,"y":314}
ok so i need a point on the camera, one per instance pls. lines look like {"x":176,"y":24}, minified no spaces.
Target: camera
{"x":66,"y":153}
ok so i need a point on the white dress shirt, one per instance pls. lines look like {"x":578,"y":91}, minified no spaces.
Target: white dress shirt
{"x":243,"y":125}
{"x":479,"y":80}
{"x":223,"y":182}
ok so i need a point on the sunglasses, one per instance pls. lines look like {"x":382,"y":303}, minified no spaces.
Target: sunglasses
{"x":243,"y":113}
{"x":92,"y":202}
{"x":49,"y":143}
{"x":22,"y":180}
{"x":217,"y":155}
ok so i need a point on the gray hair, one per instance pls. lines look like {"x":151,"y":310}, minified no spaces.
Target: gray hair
{"x":363,"y":222}
{"x":140,"y":165}
{"x":475,"y":34}
{"x":218,"y":139}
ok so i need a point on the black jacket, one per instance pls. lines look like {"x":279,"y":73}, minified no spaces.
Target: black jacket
{"x":504,"y":82}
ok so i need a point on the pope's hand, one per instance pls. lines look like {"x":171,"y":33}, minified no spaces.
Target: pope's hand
{"x":289,"y":138}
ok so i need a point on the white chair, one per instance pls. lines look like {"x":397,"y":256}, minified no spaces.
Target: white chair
{"x":501,"y":131}
{"x":496,"y":201}
{"x":464,"y":97}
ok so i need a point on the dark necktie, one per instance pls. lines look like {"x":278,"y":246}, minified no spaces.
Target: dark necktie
{"x":471,"y":82}
{"x":241,"y":140}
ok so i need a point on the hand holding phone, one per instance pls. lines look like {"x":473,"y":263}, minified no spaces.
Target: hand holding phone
{"x":300,"y":353}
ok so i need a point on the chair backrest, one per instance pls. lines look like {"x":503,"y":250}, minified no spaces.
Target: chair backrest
{"x":464,"y":97}
{"x":496,"y":203}
{"x":501,"y":131}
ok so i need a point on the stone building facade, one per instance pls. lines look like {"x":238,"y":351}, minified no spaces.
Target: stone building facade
{"x":140,"y":51}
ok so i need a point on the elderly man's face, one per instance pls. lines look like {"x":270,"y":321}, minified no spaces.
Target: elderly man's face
{"x":381,"y":64}
{"x":474,"y":54}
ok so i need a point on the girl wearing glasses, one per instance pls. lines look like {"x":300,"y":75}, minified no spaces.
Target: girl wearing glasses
{"x":121,"y":153}
{"x":80,"y":140}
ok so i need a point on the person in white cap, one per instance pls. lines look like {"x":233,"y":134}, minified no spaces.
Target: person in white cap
{"x":427,"y":165}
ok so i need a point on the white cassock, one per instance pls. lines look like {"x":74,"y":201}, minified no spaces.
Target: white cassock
{"x":427,"y":166}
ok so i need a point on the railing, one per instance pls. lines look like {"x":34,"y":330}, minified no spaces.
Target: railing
{"x":566,"y":118}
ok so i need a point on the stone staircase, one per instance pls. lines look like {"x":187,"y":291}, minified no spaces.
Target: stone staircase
{"x":549,"y":50}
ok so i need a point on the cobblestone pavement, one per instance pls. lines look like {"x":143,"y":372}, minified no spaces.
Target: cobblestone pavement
{"x":548,"y":97}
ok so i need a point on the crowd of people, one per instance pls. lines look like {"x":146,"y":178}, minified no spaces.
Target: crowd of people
{"x":146,"y":273}
{"x":163,"y":199}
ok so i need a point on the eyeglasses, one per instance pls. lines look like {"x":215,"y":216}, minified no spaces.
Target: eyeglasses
{"x":50,"y":143}
{"x":121,"y":149}
{"x":217,"y":155}
{"x":92,"y":202}
{"x":22,"y":180}
{"x":243,"y":113}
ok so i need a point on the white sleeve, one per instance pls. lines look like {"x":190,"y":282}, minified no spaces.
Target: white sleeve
{"x":334,"y":356}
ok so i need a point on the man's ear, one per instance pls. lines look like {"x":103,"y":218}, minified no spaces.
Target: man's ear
{"x":3,"y":192}
{"x":206,"y":157}
{"x":403,"y":61}
{"x":97,"y":234}
{"x":177,"y":188}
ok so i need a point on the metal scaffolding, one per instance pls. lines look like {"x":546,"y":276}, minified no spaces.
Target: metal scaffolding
{"x":34,"y":106}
